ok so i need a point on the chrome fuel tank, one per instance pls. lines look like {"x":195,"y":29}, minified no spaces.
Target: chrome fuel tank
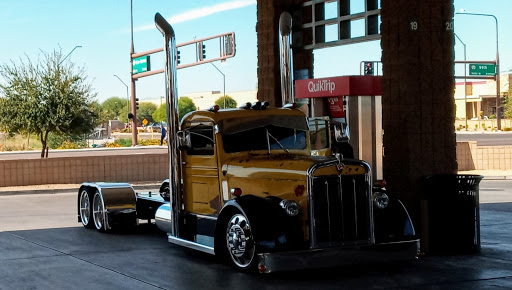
{"x":163,"y":218}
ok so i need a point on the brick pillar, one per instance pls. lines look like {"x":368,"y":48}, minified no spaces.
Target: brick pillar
{"x":418,"y":105}
{"x":267,"y":29}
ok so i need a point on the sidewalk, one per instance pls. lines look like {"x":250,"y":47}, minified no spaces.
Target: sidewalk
{"x":155,"y":185}
{"x":67,"y":188}
{"x":490,"y":174}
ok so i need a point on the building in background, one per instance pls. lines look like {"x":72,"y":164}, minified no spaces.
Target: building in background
{"x":204,"y":100}
{"x":480,"y":97}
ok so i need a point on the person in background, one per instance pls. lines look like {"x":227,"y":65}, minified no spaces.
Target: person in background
{"x":163,"y":133}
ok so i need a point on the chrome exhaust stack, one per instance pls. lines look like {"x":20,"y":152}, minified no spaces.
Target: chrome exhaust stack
{"x":286,"y":58}
{"x":171,"y":101}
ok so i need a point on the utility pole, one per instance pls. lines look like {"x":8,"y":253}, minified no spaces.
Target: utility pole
{"x":134,"y":106}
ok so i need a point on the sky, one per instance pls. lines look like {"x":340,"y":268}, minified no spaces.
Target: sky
{"x":102,"y":29}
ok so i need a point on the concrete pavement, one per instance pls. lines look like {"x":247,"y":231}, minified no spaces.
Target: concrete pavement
{"x":44,"y":247}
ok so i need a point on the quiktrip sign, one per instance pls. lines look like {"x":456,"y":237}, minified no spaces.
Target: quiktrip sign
{"x":338,"y":87}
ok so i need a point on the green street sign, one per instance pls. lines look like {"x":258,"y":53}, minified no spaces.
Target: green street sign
{"x":482,"y":69}
{"x":141,"y":64}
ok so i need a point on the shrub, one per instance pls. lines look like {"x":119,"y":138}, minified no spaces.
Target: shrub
{"x":112,"y":145}
{"x":150,"y":142}
{"x":492,"y":116}
{"x":56,"y":141}
{"x":68,"y":145}
{"x":124,"y":142}
{"x":507,"y":129}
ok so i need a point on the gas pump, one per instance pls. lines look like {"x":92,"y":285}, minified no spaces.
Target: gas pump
{"x":355,"y":113}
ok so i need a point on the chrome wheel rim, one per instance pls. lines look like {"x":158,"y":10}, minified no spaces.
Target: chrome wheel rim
{"x":85,"y":207}
{"x":166,"y":192}
{"x":98,"y":211}
{"x":239,"y":241}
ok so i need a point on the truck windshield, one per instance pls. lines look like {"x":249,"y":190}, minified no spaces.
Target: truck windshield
{"x":265,"y":133}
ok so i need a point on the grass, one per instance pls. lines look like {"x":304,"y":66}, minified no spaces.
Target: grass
{"x":19,"y":143}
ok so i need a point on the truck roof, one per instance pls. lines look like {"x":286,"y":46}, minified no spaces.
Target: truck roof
{"x":218,"y":116}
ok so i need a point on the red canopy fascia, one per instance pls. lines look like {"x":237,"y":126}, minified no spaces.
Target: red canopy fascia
{"x":338,"y":87}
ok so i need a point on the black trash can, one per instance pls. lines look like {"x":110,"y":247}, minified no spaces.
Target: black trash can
{"x":453,"y":214}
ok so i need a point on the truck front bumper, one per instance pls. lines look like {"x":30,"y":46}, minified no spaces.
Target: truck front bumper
{"x":330,"y":257}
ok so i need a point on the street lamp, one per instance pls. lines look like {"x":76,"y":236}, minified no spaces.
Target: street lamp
{"x":465,"y":85}
{"x":69,"y":53}
{"x":127,"y":98}
{"x":498,"y":98}
{"x":224,"y":81}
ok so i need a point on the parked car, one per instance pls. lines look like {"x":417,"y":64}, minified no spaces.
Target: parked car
{"x":154,"y":127}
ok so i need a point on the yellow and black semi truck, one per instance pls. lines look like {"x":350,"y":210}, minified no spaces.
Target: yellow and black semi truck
{"x":246,"y":184}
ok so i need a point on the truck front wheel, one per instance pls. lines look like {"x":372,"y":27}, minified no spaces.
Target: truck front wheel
{"x":85,"y":208}
{"x":240,"y":242}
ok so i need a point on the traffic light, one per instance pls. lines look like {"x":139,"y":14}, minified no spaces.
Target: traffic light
{"x":130,"y":116}
{"x":229,"y":45}
{"x":137,"y":103}
{"x":201,"y":51}
{"x":368,"y":68}
{"x":178,"y":57}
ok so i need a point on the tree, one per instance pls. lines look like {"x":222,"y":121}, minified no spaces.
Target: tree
{"x":145,"y":111}
{"x":97,"y":109}
{"x":45,"y":97}
{"x":229,"y":101}
{"x":185,"y":106}
{"x":160,"y":115}
{"x":507,"y":103}
{"x":112,"y":108}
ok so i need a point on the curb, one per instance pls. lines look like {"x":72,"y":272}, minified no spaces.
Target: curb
{"x":138,"y":187}
{"x":498,"y":177}
{"x":152,"y":186}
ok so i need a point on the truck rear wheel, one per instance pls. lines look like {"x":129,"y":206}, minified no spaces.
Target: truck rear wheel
{"x":240,"y":242}
{"x":85,"y":208}
{"x":98,"y":212}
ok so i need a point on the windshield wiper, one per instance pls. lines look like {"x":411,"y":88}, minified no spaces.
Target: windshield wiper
{"x":277,"y":141}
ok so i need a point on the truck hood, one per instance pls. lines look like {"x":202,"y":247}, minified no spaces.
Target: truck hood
{"x":282,"y":167}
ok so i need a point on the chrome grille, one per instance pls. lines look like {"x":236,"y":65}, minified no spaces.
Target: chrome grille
{"x":341,"y":210}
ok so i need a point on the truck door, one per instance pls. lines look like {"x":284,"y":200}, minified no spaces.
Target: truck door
{"x":201,"y":174}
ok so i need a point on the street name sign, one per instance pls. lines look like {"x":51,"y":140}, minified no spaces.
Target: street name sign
{"x":141,"y":64}
{"x":482,"y":69}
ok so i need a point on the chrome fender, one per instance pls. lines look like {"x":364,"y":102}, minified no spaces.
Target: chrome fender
{"x":118,"y":199}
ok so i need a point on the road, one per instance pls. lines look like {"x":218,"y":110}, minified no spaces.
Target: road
{"x":487,"y":138}
{"x":44,"y":247}
{"x":15,"y":155}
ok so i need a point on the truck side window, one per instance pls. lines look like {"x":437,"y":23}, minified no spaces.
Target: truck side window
{"x":201,"y":139}
{"x":318,"y":134}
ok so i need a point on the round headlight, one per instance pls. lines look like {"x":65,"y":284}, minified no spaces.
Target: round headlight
{"x":380,"y":200}
{"x":290,"y":207}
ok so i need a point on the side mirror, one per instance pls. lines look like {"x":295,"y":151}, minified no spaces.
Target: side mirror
{"x":341,"y":133}
{"x":183,"y":140}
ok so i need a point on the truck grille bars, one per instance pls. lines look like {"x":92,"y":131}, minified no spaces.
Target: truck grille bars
{"x":340,"y":211}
